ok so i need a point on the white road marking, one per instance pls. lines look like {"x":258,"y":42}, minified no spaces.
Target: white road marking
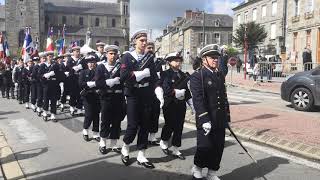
{"x":27,"y":132}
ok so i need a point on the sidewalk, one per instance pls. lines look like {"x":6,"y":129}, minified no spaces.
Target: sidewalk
{"x":238,"y":80}
{"x":10,"y":168}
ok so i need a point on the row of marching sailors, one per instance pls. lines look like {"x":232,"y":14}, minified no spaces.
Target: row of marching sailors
{"x":127,"y":89}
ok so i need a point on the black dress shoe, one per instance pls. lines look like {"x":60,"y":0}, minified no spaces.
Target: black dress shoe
{"x":154,"y":143}
{"x":20,"y":102}
{"x":55,"y":120}
{"x":103,"y":150}
{"x":166,"y":151}
{"x":194,"y":178}
{"x":39,"y":114}
{"x":181,"y":157}
{"x":148,"y":165}
{"x":97,"y":139}
{"x":86,"y":138}
{"x":125,"y":160}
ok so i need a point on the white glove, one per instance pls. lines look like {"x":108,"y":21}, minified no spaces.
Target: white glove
{"x":142,"y":74}
{"x":66,"y":73}
{"x":46,"y":75}
{"x":15,"y":84}
{"x":112,"y":82}
{"x":91,"y":84}
{"x":179,"y":93}
{"x":190,"y":103}
{"x":77,"y":68}
{"x":51,"y":73}
{"x":159,"y":93}
{"x":206,"y":127}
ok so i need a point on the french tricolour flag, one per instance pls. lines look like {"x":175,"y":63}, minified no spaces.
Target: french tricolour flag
{"x":50,"y":43}
{"x":27,"y":48}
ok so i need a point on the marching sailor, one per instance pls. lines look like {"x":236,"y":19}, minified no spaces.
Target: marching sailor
{"x":139,"y":85}
{"x":90,"y":99}
{"x":34,"y":82}
{"x":111,"y":98}
{"x":43,"y":59}
{"x":176,"y":94}
{"x":209,"y":96}
{"x":26,"y":81}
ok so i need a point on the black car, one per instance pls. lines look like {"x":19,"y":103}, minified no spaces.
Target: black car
{"x":302,"y":90}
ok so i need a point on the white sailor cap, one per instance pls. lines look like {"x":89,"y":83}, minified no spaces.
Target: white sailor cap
{"x":42,"y":54}
{"x":139,"y":33}
{"x":211,"y":49}
{"x":48,"y":53}
{"x":172,"y":56}
{"x":100,"y":43}
{"x":111,"y":48}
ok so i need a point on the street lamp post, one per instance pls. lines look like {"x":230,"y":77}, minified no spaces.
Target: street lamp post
{"x":203,"y":28}
{"x":245,"y":52}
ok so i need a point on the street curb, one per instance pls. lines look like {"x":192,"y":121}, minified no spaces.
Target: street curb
{"x":9,"y":164}
{"x":292,"y":147}
{"x":251,"y":88}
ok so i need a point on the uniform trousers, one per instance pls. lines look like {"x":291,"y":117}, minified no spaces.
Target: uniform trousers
{"x":174,"y":115}
{"x":92,"y":109}
{"x":112,"y":113}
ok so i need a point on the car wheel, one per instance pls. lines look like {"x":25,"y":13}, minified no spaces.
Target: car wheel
{"x":302,"y":99}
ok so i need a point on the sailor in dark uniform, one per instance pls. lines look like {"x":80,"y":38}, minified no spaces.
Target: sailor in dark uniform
{"x":59,"y":60}
{"x":139,"y":91}
{"x":64,"y":86}
{"x":74,"y":66}
{"x":100,"y":50}
{"x":208,"y":89}
{"x":90,"y":99}
{"x":34,"y":82}
{"x":174,"y":109}
{"x":43,"y":59}
{"x":156,"y":105}
{"x":50,"y":74}
{"x":17,"y":79}
{"x":7,"y":81}
{"x":26,"y":81}
{"x":111,"y":98}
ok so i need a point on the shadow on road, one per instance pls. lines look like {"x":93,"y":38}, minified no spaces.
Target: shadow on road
{"x":254,"y":171}
{"x":27,"y":154}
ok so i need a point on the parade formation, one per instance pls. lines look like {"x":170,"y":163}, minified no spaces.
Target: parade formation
{"x":107,"y":87}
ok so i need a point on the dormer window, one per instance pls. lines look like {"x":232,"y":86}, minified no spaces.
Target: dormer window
{"x":217,"y":23}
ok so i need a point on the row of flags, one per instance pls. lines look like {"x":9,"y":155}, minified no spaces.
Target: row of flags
{"x":30,"y":48}
{"x":4,"y":47}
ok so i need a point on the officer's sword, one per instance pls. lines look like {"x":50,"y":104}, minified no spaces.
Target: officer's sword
{"x":234,"y":135}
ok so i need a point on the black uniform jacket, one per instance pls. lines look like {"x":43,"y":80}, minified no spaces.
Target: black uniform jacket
{"x":169,"y":79}
{"x":129,"y":64}
{"x":102,"y":74}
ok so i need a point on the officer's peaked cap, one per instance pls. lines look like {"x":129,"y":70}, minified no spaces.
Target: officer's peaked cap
{"x":172,"y":56}
{"x":211,"y":49}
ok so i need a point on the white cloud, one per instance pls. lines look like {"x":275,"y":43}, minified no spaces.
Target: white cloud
{"x":224,"y":7}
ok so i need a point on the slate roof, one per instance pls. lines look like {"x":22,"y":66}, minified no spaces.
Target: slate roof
{"x":96,"y":31}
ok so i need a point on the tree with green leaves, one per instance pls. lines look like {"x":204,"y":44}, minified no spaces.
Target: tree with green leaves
{"x":255,"y":34}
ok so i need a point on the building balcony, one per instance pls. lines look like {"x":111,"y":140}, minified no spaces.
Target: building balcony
{"x":308,"y":15}
{"x":295,"y":19}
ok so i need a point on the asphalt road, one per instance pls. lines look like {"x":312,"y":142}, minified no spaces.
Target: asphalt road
{"x":47,"y":150}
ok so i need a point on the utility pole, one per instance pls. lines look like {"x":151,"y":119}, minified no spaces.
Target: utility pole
{"x":203,"y":28}
{"x":245,"y":52}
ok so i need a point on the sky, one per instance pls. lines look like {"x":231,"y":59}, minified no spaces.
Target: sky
{"x":156,"y":14}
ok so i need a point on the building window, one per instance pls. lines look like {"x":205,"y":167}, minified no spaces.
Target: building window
{"x":113,"y":23}
{"x":200,"y":38}
{"x":274,"y":8}
{"x":97,"y":23}
{"x":273,"y":31}
{"x":64,"y":20}
{"x":309,"y":5}
{"x":246,"y":17}
{"x":296,"y":7}
{"x":308,"y":39}
{"x":216,"y":38}
{"x":254,"y":14}
{"x":217,"y":23}
{"x":81,"y":21}
{"x":127,"y":10}
{"x":295,"y":41}
{"x":264,"y":11}
{"x":125,"y":22}
{"x":239,"y":19}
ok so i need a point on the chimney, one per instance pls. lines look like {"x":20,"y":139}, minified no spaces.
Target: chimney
{"x":188,"y":14}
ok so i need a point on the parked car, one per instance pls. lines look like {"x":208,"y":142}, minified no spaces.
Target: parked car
{"x":302,"y":89}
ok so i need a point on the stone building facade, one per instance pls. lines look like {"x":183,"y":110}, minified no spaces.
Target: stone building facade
{"x":2,"y":18}
{"x":270,"y":14}
{"x":303,"y":29}
{"x":186,"y":33}
{"x":108,"y":22}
